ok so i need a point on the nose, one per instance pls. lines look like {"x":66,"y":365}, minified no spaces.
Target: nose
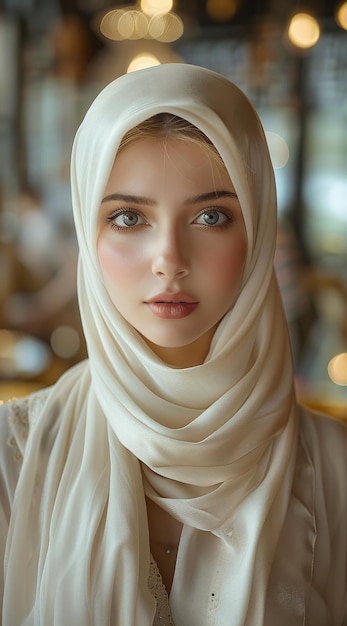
{"x":170,"y":256}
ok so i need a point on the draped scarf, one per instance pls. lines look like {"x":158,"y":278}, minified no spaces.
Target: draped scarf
{"x":214,"y":444}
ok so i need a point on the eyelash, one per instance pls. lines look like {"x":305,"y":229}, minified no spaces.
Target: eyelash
{"x":110,"y":219}
{"x":230,"y":218}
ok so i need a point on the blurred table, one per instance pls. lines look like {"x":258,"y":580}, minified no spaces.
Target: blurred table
{"x":335,"y":409}
{"x":17,"y":389}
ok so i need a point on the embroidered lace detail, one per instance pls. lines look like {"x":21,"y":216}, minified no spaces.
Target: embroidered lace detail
{"x":22,"y":413}
{"x":158,"y":590}
{"x":36,"y":402}
{"x":18,"y":420}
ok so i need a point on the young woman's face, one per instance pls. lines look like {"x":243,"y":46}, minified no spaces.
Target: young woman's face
{"x":172,"y":245}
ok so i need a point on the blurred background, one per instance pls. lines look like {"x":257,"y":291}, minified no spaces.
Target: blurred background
{"x":289,"y":58}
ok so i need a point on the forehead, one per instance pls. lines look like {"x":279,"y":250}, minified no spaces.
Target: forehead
{"x":166,"y":126}
{"x":168,"y":155}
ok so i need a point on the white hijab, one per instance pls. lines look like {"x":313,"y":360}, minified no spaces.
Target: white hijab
{"x":213,"y":444}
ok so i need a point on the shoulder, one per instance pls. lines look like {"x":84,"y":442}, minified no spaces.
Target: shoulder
{"x":321,"y":486}
{"x":16,"y":416}
{"x":324,"y":439}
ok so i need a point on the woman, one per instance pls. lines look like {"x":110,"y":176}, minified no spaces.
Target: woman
{"x":175,"y":460}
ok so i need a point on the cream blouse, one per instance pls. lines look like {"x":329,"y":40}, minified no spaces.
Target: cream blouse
{"x":308,"y":580}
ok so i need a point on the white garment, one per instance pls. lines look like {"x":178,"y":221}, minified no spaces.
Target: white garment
{"x":308,"y":581}
{"x":215,"y":445}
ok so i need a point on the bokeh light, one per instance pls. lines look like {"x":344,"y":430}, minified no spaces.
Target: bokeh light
{"x":156,"y":7}
{"x":303,"y":30}
{"x":341,"y":15}
{"x":278,"y":149}
{"x":337,"y":369}
{"x":131,"y":24}
{"x":141,"y":61}
{"x":65,"y":342}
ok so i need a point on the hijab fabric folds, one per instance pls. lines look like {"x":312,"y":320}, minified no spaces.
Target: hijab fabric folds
{"x":213,"y":444}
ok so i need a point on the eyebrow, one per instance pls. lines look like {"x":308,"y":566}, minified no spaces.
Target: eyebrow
{"x":211,"y":195}
{"x":128,"y":198}
{"x":204,"y":197}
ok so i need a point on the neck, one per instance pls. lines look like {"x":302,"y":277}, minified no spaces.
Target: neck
{"x":182,"y":357}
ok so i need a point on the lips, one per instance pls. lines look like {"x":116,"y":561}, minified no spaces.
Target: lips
{"x":171,"y":305}
{"x":172,"y":298}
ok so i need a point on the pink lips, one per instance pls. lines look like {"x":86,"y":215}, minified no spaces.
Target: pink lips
{"x":171,"y":305}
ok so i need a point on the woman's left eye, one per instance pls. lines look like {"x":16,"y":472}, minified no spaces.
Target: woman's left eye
{"x":212,"y":217}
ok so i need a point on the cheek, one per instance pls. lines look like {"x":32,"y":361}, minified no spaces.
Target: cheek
{"x":116,"y":266}
{"x":227,"y":266}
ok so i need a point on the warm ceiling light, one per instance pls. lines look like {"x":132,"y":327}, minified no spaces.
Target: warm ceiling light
{"x":120,"y":24}
{"x":156,"y":7}
{"x":341,"y":15}
{"x":141,"y":61}
{"x":303,"y":30}
{"x":221,"y":10}
{"x":156,"y":27}
{"x":166,"y":28}
{"x":109,"y":24}
{"x":133,"y":25}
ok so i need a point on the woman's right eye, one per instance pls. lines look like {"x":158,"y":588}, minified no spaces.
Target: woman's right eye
{"x":124,"y":219}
